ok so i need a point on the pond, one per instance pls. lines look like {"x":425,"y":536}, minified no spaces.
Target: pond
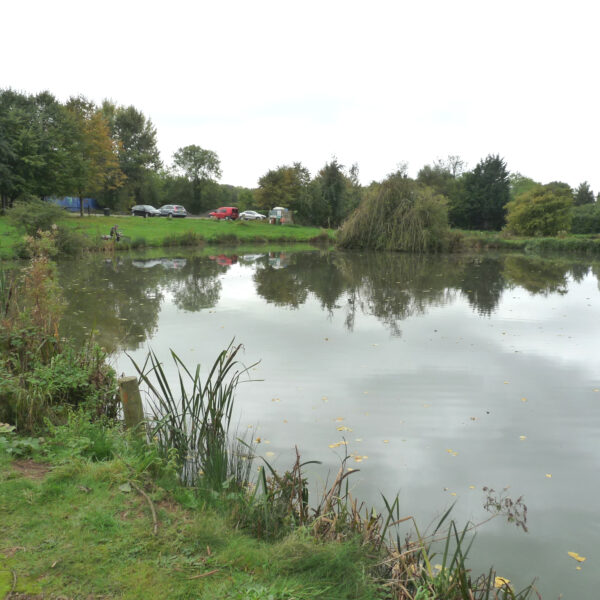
{"x":443,"y":374}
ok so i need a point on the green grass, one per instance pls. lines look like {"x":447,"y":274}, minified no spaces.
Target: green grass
{"x":484,"y":240}
{"x":155,"y":232}
{"x":75,"y":533}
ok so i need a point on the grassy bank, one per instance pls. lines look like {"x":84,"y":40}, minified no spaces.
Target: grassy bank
{"x":75,"y":527}
{"x":155,"y":232}
{"x":488,"y":240}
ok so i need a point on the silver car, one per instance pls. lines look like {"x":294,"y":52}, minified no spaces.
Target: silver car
{"x":172,"y":210}
{"x":251,"y":215}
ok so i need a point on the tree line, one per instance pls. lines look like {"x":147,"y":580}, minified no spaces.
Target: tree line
{"x":109,"y":152}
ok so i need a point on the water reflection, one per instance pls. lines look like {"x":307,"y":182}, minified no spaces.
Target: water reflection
{"x":122,"y":297}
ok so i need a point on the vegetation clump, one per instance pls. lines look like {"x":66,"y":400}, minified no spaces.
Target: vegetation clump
{"x":542,"y":211}
{"x":42,"y":375}
{"x":401,"y":215}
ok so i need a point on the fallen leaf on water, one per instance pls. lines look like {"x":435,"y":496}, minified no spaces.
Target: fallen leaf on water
{"x":453,"y":493}
{"x":471,"y":487}
{"x":522,"y":437}
{"x":257,"y":440}
{"x":344,"y":428}
{"x":576,"y":556}
{"x":386,"y":441}
{"x":339,"y":419}
{"x":270,"y":453}
{"x":549,"y":475}
{"x":523,"y":399}
{"x":324,"y":398}
{"x":358,"y":440}
{"x":337,"y":444}
{"x":506,"y":383}
{"x":285,"y":420}
{"x":500,"y":581}
{"x":578,"y":568}
{"x":266,"y":441}
{"x":350,"y":469}
{"x":275,"y":400}
{"x":596,"y":390}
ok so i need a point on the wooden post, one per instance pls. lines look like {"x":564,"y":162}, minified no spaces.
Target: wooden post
{"x":132,"y":401}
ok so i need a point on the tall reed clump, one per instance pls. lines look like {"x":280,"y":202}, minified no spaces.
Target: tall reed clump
{"x":194,"y":419}
{"x":400,"y":215}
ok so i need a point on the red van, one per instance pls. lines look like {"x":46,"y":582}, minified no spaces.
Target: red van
{"x":225,"y":212}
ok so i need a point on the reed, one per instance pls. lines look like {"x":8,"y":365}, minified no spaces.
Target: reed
{"x":194,"y":419}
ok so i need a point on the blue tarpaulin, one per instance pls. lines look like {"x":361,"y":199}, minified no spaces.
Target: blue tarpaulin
{"x":72,"y":204}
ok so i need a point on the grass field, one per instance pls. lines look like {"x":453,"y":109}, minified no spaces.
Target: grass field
{"x":155,"y":232}
{"x":81,"y":530}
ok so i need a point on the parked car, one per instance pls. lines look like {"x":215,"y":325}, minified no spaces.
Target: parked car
{"x":251,"y":215}
{"x":145,"y":210}
{"x":225,"y":212}
{"x":172,"y":210}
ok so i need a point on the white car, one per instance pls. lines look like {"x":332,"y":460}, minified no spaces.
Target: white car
{"x":251,"y":215}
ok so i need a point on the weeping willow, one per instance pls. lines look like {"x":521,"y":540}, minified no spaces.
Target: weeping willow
{"x":400,"y":215}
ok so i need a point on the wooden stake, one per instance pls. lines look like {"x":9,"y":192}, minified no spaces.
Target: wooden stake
{"x":131,"y":399}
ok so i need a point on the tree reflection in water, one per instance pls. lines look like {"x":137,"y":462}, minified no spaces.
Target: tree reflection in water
{"x":122,"y":297}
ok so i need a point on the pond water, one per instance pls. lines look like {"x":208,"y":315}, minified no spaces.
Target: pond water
{"x":444,"y":374}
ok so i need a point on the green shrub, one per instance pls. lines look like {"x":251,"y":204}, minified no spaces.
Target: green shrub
{"x":35,"y":215}
{"x":586,"y":218}
{"x":541,"y":211}
{"x":400,"y":215}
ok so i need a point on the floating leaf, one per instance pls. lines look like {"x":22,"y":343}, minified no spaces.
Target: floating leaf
{"x":344,"y":428}
{"x":523,"y":399}
{"x":500,"y":581}
{"x":257,"y":440}
{"x":549,"y":475}
{"x":471,"y":487}
{"x":522,"y":437}
{"x":339,"y":419}
{"x":386,"y":441}
{"x":337,"y":444}
{"x":576,"y":556}
{"x":269,"y":453}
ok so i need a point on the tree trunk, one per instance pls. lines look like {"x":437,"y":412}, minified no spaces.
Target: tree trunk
{"x":80,"y":204}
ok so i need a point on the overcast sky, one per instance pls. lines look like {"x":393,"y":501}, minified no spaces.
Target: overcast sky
{"x":266,"y":83}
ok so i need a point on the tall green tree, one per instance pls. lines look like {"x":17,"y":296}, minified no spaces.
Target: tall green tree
{"x":35,"y":142}
{"x":519,"y":184}
{"x":201,"y":167}
{"x":484,"y":193}
{"x":286,"y":186}
{"x":329,"y":190}
{"x":139,"y":158}
{"x":584,"y":194}
{"x":94,"y":154}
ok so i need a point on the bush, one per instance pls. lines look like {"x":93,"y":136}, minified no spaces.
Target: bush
{"x":539,"y":212}
{"x":35,"y":215}
{"x":586,"y":218}
{"x":400,"y":215}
